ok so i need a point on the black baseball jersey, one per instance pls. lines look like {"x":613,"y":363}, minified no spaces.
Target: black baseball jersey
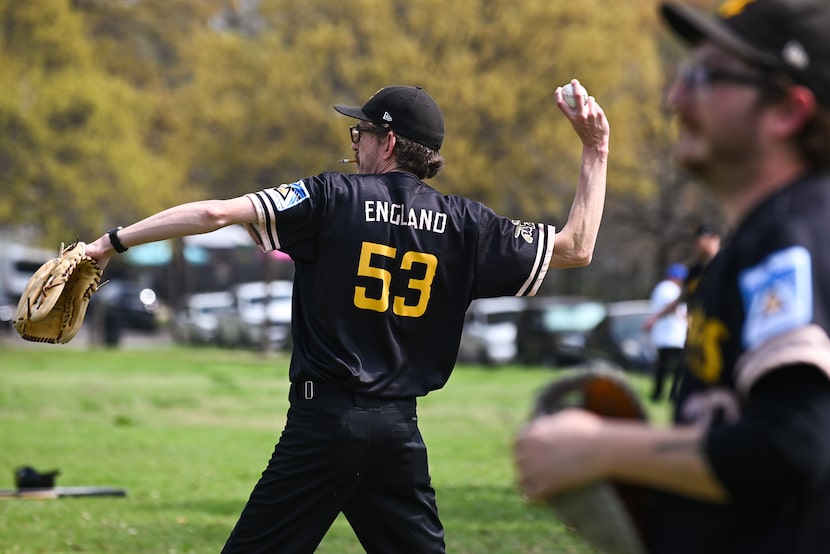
{"x":762,"y":308}
{"x":386,"y":267}
{"x":692,"y":279}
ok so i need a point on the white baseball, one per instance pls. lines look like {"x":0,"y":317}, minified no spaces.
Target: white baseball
{"x":570,"y":98}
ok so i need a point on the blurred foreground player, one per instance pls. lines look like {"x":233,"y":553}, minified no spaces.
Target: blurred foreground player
{"x":746,"y":467}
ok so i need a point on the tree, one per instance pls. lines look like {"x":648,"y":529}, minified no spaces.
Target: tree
{"x":71,"y":144}
{"x":112,"y":110}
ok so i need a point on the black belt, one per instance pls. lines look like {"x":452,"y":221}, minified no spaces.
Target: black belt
{"x":311,"y":391}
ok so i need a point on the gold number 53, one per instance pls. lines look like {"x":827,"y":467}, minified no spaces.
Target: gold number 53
{"x":408,"y":262}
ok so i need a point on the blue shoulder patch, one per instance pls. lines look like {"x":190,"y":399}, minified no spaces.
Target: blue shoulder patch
{"x":289,"y":195}
{"x":777,"y":295}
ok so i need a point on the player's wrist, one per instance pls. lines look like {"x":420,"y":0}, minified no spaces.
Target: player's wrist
{"x":115,"y":242}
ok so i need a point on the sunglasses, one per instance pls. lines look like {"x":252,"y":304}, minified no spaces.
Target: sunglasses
{"x":356,"y":130}
{"x":701,"y":77}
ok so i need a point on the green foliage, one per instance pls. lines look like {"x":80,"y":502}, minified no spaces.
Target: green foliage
{"x":112,"y":110}
{"x":73,"y":135}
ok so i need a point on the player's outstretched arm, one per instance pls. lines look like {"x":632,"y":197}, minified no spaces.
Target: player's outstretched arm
{"x":193,"y":218}
{"x":575,"y":241}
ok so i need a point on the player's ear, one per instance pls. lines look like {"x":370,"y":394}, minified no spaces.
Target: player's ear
{"x":794,"y":110}
{"x":391,"y":141}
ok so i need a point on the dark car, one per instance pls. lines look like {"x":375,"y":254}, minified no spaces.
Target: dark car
{"x":551,"y":330}
{"x":620,"y":337}
{"x":130,"y":304}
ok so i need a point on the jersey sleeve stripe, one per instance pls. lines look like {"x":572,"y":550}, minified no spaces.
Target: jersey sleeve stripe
{"x":270,"y":223}
{"x":266,"y":227}
{"x":544,"y":251}
{"x":253,"y":232}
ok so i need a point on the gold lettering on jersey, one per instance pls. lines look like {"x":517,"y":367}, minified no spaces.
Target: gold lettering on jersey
{"x":731,"y":8}
{"x":417,"y":269}
{"x":691,"y":284}
{"x":703,"y":346}
{"x":379,"y":211}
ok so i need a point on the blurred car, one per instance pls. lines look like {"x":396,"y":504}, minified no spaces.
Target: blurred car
{"x":18,"y":262}
{"x":279,"y":314}
{"x":621,"y":339}
{"x":8,"y":309}
{"x":551,"y":330}
{"x":128,"y":304}
{"x":261,"y":311}
{"x":197,"y":322}
{"x":489,"y":332}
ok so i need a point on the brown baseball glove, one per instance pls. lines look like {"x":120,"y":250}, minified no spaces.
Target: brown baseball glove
{"x":608,"y":515}
{"x":54,"y":303}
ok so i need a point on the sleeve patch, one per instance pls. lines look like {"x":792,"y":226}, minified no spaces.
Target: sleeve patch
{"x":524,"y":230}
{"x":777,"y":295}
{"x":289,"y":195}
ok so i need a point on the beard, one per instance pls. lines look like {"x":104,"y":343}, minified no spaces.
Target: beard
{"x":721,"y":151}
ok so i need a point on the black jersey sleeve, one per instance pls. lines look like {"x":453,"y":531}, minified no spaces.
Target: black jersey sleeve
{"x":289,"y":217}
{"x":503,"y":245}
{"x":781,"y":446}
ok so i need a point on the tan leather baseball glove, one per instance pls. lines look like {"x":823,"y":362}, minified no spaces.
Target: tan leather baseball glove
{"x":608,"y":515}
{"x":54,"y":303}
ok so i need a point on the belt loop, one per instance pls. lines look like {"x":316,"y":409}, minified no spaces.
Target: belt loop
{"x":308,"y":390}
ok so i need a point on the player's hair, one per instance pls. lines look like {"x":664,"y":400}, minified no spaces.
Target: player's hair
{"x":813,"y":140}
{"x":420,"y":160}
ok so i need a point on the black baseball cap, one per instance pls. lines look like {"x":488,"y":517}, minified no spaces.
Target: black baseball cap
{"x":778,"y":35}
{"x":409,"y":111}
{"x":705,"y":229}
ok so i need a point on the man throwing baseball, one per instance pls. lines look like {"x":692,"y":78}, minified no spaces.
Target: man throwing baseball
{"x":386,"y":267}
{"x":746,"y":467}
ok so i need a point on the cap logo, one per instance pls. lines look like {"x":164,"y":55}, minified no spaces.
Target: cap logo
{"x":386,"y":116}
{"x":731,"y":8}
{"x":795,"y":55}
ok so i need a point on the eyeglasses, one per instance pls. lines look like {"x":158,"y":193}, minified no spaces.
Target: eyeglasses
{"x":701,"y":77}
{"x":356,"y":130}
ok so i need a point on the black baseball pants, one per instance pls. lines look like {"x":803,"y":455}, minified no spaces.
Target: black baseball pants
{"x":341,"y":452}
{"x":668,"y":366}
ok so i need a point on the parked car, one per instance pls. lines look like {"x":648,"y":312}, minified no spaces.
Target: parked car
{"x":197,"y":321}
{"x":132,"y":304}
{"x":121,"y":304}
{"x":18,"y":262}
{"x":261,"y":310}
{"x":489,"y":332}
{"x":8,"y":309}
{"x":620,"y":338}
{"x":551,"y":330}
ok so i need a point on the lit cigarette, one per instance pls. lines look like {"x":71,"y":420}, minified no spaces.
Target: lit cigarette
{"x":347,"y":161}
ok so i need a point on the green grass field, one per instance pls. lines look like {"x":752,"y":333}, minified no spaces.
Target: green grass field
{"x":187,"y":432}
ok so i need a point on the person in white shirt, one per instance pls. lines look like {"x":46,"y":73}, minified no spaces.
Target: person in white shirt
{"x":669,"y":331}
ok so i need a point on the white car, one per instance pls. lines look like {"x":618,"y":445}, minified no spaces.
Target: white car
{"x":198,"y":321}
{"x":261,"y":310}
{"x":489,"y":332}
